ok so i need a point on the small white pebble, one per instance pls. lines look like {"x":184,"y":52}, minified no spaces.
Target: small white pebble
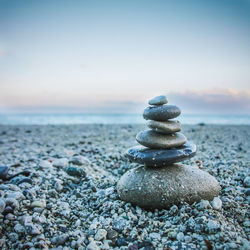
{"x":93,"y":246}
{"x":216,"y":203}
{"x":101,"y":234}
{"x":180,"y":236}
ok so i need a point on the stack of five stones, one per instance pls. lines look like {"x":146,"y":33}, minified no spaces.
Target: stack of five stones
{"x":163,"y":141}
{"x":160,"y":182}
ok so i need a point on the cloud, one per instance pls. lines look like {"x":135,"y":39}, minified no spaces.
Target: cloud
{"x":214,"y":101}
{"x":210,"y":101}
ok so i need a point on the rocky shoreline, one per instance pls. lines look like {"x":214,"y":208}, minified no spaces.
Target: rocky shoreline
{"x":68,"y":199}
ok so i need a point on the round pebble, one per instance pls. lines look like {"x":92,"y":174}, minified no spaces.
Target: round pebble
{"x":3,"y":172}
{"x":158,"y":100}
{"x":164,"y":127}
{"x":80,"y":160}
{"x":216,"y":203}
{"x":161,"y":113}
{"x":247,"y":181}
{"x":75,"y":171}
{"x":152,"y":139}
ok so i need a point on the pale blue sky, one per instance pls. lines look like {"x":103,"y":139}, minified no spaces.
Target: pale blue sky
{"x":109,"y":55}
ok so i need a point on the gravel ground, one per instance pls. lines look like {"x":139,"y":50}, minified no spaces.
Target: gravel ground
{"x":67,"y":199}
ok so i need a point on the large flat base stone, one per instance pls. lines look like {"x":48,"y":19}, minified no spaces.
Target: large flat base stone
{"x":164,"y":186}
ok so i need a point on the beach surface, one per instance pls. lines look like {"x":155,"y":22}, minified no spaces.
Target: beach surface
{"x":67,"y":198}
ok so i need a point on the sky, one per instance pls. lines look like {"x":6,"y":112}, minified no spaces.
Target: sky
{"x":112,"y":56}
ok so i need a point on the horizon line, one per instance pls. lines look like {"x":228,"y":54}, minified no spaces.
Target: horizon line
{"x":114,"y":113}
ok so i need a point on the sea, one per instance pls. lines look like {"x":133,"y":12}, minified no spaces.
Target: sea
{"x":64,"y":119}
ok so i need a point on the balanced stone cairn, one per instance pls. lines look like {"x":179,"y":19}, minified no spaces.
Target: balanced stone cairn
{"x":160,"y":182}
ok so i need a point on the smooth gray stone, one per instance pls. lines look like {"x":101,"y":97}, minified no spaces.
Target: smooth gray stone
{"x":163,"y":187}
{"x":161,"y":113}
{"x":161,"y":157}
{"x":164,"y":127}
{"x":150,"y":138}
{"x":158,"y":100}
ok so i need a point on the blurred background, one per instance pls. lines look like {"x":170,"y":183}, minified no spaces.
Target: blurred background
{"x":64,"y":62}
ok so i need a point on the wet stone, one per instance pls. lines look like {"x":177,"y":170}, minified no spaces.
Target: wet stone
{"x":162,"y":157}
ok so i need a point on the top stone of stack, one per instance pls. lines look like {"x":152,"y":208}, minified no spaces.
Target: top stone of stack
{"x":158,"y":100}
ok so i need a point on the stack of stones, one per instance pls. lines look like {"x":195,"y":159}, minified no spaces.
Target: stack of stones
{"x":160,"y":182}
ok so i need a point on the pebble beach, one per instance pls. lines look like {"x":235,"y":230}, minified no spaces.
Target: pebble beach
{"x":60,"y":191}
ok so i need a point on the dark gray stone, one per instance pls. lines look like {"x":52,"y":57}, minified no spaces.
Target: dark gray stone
{"x":163,"y":187}
{"x":75,"y":171}
{"x":3,"y":172}
{"x":161,"y":157}
{"x":247,"y":192}
{"x":152,"y":139}
{"x":7,"y":210}
{"x":21,"y":179}
{"x":246,"y":181}
{"x":158,"y":100}
{"x":161,"y":113}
